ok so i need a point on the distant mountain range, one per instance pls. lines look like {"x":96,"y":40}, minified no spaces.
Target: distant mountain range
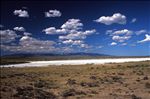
{"x":51,"y":54}
{"x":85,"y":54}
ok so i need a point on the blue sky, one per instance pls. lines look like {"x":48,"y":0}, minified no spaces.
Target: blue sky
{"x":119,"y":28}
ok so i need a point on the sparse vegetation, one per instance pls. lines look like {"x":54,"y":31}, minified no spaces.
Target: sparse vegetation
{"x":109,"y":81}
{"x":147,"y":85}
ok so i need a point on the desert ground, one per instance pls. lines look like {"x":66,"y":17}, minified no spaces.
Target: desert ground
{"x":129,"y":80}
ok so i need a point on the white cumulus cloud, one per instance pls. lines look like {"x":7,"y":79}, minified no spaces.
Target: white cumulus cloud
{"x":72,"y":24}
{"x":73,"y":42}
{"x":7,"y":36}
{"x":72,"y":32}
{"x":53,"y":13}
{"x":115,"y":18}
{"x":31,"y":45}
{"x":77,"y":34}
{"x":85,"y":46}
{"x":53,"y":30}
{"x":74,"y":28}
{"x":120,"y":35}
{"x":28,"y":44}
{"x":121,"y":38}
{"x":19,"y":29}
{"x":121,"y":32}
{"x":30,"y":41}
{"x":21,"y":13}
{"x":113,"y":43}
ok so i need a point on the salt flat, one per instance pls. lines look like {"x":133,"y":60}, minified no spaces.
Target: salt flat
{"x":75,"y":62}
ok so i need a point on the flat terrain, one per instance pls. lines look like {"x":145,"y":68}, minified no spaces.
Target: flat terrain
{"x":25,"y":59}
{"x":75,"y":62}
{"x":109,"y":81}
